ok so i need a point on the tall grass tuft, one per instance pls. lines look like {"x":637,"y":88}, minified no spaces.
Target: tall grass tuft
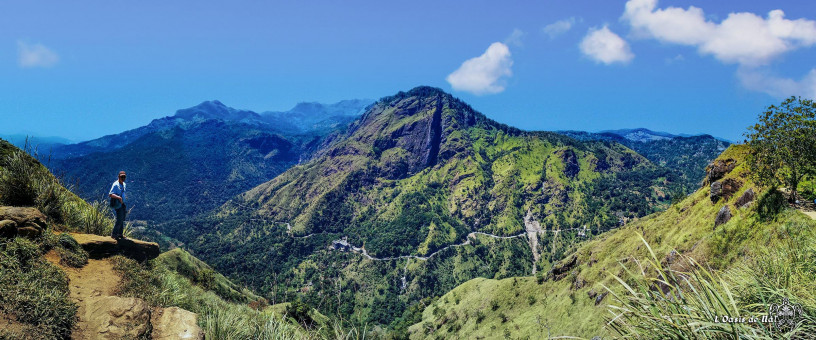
{"x":26,"y":182}
{"x":662,"y":303}
{"x":93,"y":218}
{"x":19,"y":175}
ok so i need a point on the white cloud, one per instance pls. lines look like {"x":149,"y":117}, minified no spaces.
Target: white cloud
{"x":515,"y":38}
{"x":743,"y":38}
{"x":779,"y":87}
{"x":485,"y":74}
{"x":604,"y":46}
{"x":35,"y":55}
{"x":559,"y":27}
{"x":676,"y":59}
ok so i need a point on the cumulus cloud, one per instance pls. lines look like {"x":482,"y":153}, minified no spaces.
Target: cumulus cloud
{"x":35,"y":55}
{"x":559,"y":27}
{"x":514,"y":38}
{"x":604,"y":46}
{"x":780,"y":87}
{"x":485,"y":74}
{"x":742,"y":38}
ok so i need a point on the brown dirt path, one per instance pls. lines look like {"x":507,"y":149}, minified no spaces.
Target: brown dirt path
{"x":95,"y":279}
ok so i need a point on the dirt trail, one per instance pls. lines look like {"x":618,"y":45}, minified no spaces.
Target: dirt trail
{"x":95,"y":279}
{"x":812,"y":214}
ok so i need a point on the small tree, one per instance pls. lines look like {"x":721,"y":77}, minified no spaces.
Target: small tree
{"x":783,"y":144}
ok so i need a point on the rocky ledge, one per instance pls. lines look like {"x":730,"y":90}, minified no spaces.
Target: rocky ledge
{"x":104,"y":246}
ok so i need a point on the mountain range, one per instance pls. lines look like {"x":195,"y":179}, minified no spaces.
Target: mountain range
{"x":198,"y":158}
{"x":417,"y":196}
{"x":391,"y":204}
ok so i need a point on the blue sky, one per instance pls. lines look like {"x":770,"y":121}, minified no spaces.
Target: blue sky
{"x":83,"y":70}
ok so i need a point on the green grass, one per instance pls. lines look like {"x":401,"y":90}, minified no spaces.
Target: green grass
{"x":760,"y":258}
{"x":34,"y":292}
{"x":691,"y":301}
{"x":26,"y":182}
{"x":177,"y":279}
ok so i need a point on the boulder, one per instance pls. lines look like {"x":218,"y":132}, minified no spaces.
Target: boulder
{"x":28,"y":222}
{"x":747,"y":197}
{"x":560,"y":270}
{"x":724,"y":215}
{"x":113,"y":317}
{"x":715,"y":192}
{"x":718,"y":169}
{"x":104,"y":246}
{"x":724,"y":189}
{"x":600,"y":298}
{"x":175,"y":323}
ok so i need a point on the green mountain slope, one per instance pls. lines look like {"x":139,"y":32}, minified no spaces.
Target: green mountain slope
{"x":428,"y":194}
{"x":34,"y":291}
{"x":197,"y":159}
{"x":685,"y":155}
{"x":571,"y":299}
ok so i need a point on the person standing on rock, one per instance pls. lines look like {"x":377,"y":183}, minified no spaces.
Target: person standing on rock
{"x":117,"y":203}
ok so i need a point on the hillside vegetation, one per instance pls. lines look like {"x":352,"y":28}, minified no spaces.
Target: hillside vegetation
{"x":429,"y":194}
{"x":34,"y":292}
{"x":762,"y":254}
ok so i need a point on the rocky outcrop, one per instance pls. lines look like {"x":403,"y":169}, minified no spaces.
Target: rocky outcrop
{"x":26,"y":222}
{"x":724,"y":189}
{"x":561,"y":269}
{"x":175,"y":323}
{"x":113,"y":317}
{"x":723,"y":216}
{"x":600,"y":298}
{"x":718,"y":169}
{"x":103,"y":246}
{"x":746,"y":199}
{"x":570,"y":161}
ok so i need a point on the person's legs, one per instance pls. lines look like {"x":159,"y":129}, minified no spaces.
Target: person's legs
{"x":119,"y":226}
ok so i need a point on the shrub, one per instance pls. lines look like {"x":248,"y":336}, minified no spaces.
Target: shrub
{"x":70,"y":252}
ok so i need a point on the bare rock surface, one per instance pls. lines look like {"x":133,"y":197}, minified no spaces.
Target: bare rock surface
{"x":103,"y":315}
{"x":175,"y":323}
{"x":747,"y":197}
{"x":114,"y":317}
{"x":718,"y":169}
{"x":23,"y":221}
{"x":104,"y":246}
{"x":723,"y":216}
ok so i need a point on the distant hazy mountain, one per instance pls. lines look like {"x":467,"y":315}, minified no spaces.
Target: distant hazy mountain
{"x":304,"y":118}
{"x":196,"y":159}
{"x":640,"y":134}
{"x":685,"y":155}
{"x":316,"y":116}
{"x":43,"y":144}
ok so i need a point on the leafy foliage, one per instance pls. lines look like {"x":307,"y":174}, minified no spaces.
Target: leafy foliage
{"x":783,"y":147}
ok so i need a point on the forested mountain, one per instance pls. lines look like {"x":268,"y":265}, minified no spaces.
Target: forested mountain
{"x":420,"y":194}
{"x":687,"y":156}
{"x":195,"y":160}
